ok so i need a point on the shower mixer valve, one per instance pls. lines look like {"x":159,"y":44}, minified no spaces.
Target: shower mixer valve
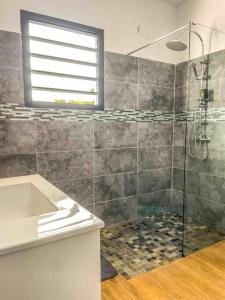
{"x":203,"y":139}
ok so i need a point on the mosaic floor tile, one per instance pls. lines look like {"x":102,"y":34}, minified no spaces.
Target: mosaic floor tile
{"x":197,"y":237}
{"x":139,"y":246}
{"x":142,"y":245}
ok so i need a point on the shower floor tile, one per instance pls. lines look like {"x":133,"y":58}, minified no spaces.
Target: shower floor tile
{"x":197,"y":237}
{"x":142,"y":245}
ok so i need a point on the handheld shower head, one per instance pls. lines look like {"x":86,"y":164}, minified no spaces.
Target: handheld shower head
{"x":193,"y":65}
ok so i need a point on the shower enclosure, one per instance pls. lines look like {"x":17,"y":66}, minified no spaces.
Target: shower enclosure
{"x":198,"y":147}
{"x":180,"y":151}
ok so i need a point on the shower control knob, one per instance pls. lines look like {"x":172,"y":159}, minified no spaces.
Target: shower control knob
{"x":203,"y":139}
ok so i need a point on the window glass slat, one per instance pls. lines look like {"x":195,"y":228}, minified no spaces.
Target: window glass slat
{"x":60,"y":97}
{"x":52,"y":42}
{"x":62,"y":35}
{"x":63,"y":75}
{"x":63,"y":83}
{"x":62,"y":67}
{"x":63,"y":52}
{"x":66,"y":60}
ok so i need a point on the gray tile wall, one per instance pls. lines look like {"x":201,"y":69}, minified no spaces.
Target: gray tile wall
{"x":11,"y":86}
{"x":115,"y":169}
{"x":216,"y":84}
{"x":136,"y":83}
{"x":154,"y":167}
{"x":216,"y":81}
{"x":204,"y":179}
{"x":119,"y":170}
{"x":205,"y":185}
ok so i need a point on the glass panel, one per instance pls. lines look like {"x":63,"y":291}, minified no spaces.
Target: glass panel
{"x":63,"y":83}
{"x":160,"y":187}
{"x":63,"y":52}
{"x":63,"y":67}
{"x":61,"y":98}
{"x":62,"y":35}
{"x":205,"y":151}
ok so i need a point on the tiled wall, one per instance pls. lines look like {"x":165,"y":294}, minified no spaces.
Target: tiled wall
{"x":185,"y":75}
{"x":108,"y":167}
{"x":10,"y":68}
{"x":118,"y":164}
{"x":205,"y":201}
{"x":205,"y":180}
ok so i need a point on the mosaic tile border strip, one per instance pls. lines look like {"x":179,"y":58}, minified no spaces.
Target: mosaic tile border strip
{"x":16,"y":111}
{"x":211,"y":115}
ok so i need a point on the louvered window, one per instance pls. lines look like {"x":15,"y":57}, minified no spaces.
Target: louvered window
{"x":63,"y":63}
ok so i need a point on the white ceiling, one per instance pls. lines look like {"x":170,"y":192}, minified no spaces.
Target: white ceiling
{"x":175,"y":2}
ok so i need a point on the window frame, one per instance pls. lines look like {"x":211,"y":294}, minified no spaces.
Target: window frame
{"x":26,"y":17}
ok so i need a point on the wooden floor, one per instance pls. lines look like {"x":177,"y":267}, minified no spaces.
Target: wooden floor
{"x":199,"y":276}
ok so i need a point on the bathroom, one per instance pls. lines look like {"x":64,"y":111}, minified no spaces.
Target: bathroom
{"x":112,"y":149}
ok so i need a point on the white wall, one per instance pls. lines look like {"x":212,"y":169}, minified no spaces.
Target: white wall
{"x":119,"y":19}
{"x":207,"y":12}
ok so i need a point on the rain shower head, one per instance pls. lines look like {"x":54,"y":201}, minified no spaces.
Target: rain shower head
{"x":176,"y":45}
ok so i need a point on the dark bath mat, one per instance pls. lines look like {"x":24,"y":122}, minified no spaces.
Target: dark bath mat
{"x":107,"y":270}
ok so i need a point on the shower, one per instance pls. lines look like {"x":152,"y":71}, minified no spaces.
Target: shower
{"x":176,"y":45}
{"x":197,"y":138}
{"x":192,"y":94}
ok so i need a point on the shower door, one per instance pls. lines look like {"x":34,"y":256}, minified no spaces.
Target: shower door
{"x":204,"y":149}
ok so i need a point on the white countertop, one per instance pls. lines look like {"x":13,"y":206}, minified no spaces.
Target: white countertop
{"x":69,"y":219}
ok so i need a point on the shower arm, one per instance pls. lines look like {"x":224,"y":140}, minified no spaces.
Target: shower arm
{"x":198,"y":35}
{"x":203,"y":53}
